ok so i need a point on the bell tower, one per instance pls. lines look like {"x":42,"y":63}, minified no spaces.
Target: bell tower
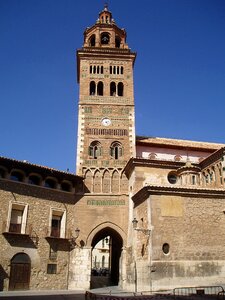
{"x":106,"y":122}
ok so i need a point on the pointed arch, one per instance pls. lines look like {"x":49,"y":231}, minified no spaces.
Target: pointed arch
{"x":88,"y":181}
{"x":97,"y":187}
{"x":115,"y":182}
{"x":106,"y":182}
{"x":124,"y":183}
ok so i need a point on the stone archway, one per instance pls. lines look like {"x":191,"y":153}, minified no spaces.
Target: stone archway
{"x":112,"y":233}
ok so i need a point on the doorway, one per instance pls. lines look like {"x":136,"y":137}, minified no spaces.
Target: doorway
{"x":20,"y":269}
{"x":106,"y":252}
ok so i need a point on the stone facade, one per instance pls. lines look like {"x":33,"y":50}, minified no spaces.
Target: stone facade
{"x":52,"y":220}
{"x":180,"y":235}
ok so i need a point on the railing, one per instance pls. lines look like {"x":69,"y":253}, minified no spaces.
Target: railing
{"x":126,"y":296}
{"x":15,"y":228}
{"x":55,"y":232}
{"x":204,"y":291}
{"x":191,"y":293}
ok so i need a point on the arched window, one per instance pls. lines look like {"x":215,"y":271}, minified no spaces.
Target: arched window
{"x":114,"y":70}
{"x":110,"y":69}
{"x":66,"y":186}
{"x":50,"y":183}
{"x":92,"y":88}
{"x":92,"y":41}
{"x":16,"y":176}
{"x":102,"y":69}
{"x":2,"y":173}
{"x":117,"y":42}
{"x":112,"y":89}
{"x":34,"y":179}
{"x":95,"y":149}
{"x":116,"y":150}
{"x":121,"y":70}
{"x":94,"y":69}
{"x":90,"y":69}
{"x":100,"y":88}
{"x":120,"y":89}
{"x":97,"y":69}
{"x":118,"y":70}
{"x":105,"y":38}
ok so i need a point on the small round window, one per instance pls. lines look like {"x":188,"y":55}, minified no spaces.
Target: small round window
{"x":166,"y":248}
{"x":172,"y":178}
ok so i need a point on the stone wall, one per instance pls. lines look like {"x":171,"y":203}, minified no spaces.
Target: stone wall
{"x":37,"y":229}
{"x":185,"y":247}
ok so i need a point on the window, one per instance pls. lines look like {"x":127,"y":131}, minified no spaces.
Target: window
{"x":95,"y":149}
{"x":34,"y":179}
{"x":51,"y":268}
{"x":17,"y":218}
{"x":92,"y":41}
{"x":172,"y":178}
{"x":66,"y":186}
{"x":120,"y":89}
{"x":58,"y":222}
{"x":166,"y":248}
{"x":112,"y":89}
{"x":16,"y":176}
{"x":105,"y":38}
{"x":116,"y":150}
{"x":2,"y":173}
{"x":92,"y":88}
{"x":100,"y":88}
{"x":117,"y":42}
{"x":50,"y":183}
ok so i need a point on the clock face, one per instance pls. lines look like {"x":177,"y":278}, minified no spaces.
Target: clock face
{"x":106,"y":122}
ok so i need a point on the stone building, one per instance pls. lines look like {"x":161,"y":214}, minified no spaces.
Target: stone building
{"x":159,"y":201}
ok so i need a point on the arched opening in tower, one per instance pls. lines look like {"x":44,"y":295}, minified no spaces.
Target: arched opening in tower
{"x":106,"y":252}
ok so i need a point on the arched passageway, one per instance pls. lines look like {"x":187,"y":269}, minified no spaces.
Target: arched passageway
{"x":106,"y":252}
{"x":20,"y":269}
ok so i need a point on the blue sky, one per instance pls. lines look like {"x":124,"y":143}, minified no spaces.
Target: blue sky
{"x":179,"y":72}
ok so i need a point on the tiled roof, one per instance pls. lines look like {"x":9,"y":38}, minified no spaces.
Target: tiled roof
{"x":177,"y":143}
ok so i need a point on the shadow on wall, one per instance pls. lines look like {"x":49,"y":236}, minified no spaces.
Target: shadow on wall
{"x":3,"y":275}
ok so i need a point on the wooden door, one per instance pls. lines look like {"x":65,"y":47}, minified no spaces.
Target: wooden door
{"x":20,"y":272}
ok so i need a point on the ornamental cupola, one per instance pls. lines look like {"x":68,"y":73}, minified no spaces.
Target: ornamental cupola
{"x":189,"y":174}
{"x":105,"y":33}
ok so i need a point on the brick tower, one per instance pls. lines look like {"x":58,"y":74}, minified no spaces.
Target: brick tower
{"x":106,"y":124}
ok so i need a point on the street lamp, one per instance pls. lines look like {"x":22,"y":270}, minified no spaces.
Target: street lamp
{"x":145,"y":231}
{"x":73,"y":239}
